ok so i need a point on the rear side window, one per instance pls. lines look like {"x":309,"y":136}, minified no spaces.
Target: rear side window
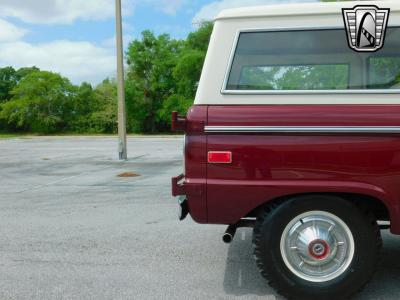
{"x":384,"y":72}
{"x":309,"y":60}
{"x":301,"y":77}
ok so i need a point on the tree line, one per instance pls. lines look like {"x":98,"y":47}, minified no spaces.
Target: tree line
{"x":161,"y":77}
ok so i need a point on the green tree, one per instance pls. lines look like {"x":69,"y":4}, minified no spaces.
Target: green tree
{"x":85,"y":99}
{"x":163,"y":76}
{"x":104,"y":118}
{"x":95,"y":110}
{"x":174,"y":102}
{"x":8,"y":81}
{"x":187,"y":71}
{"x":200,"y":38}
{"x":41,"y":102}
{"x":101,"y":116}
{"x":138,"y":108}
{"x":190,"y":63}
{"x":9,"y":78}
{"x":23,"y":72}
{"x":151,"y":62}
{"x":82,"y":105}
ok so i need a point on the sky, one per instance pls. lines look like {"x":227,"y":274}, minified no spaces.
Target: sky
{"x":76,"y":38}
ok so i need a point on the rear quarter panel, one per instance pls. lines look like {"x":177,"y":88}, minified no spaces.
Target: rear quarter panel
{"x":196,"y":162}
{"x":267,"y":166}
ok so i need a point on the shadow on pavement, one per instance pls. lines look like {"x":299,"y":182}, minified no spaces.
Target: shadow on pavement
{"x":386,"y":282}
{"x":241,"y":274}
{"x":243,"y":278}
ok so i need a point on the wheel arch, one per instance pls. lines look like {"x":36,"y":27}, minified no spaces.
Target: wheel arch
{"x":367,"y":202}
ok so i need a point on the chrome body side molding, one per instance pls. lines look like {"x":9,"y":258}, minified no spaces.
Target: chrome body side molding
{"x":302,"y":129}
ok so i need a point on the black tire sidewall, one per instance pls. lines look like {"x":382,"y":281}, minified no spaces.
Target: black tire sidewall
{"x":360,"y":269}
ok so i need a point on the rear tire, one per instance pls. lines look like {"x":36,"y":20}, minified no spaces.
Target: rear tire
{"x":316,"y":246}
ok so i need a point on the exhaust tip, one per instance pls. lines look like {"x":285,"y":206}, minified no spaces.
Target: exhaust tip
{"x":229,"y":233}
{"x":227,"y":238}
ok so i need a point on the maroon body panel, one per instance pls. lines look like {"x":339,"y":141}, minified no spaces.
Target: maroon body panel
{"x":304,"y":115}
{"x":196,"y":163}
{"x":267,"y":166}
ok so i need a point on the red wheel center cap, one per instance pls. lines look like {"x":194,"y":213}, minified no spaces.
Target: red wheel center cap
{"x":318,"y":249}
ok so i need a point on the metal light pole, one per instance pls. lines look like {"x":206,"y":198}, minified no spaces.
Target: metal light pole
{"x":123,"y":154}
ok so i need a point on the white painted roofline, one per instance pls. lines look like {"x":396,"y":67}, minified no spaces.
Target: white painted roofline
{"x":299,"y":9}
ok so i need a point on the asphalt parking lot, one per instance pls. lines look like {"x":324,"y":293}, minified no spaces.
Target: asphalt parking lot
{"x":70,"y":228}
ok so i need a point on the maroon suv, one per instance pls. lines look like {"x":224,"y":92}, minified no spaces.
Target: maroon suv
{"x":295,"y":132}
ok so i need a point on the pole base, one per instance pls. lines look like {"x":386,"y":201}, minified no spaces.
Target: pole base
{"x":122,"y":156}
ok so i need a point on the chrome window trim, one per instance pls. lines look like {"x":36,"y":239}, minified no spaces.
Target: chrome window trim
{"x":309,"y":92}
{"x":302,"y":129}
{"x":225,"y":91}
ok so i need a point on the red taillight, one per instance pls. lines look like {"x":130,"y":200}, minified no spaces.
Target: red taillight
{"x":219,"y":157}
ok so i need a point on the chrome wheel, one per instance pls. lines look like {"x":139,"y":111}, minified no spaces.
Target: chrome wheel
{"x":317,"y":246}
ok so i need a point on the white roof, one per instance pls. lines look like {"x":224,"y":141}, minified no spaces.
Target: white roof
{"x":285,"y":16}
{"x":301,"y":9}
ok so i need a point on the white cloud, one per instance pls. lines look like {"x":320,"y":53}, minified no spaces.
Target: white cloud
{"x":10,"y":32}
{"x":67,"y":11}
{"x":79,"y":61}
{"x":61,"y":11}
{"x":210,"y":11}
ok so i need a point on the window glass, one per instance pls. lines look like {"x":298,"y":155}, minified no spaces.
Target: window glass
{"x":311,"y":60}
{"x":384,"y":72}
{"x":302,"y":77}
